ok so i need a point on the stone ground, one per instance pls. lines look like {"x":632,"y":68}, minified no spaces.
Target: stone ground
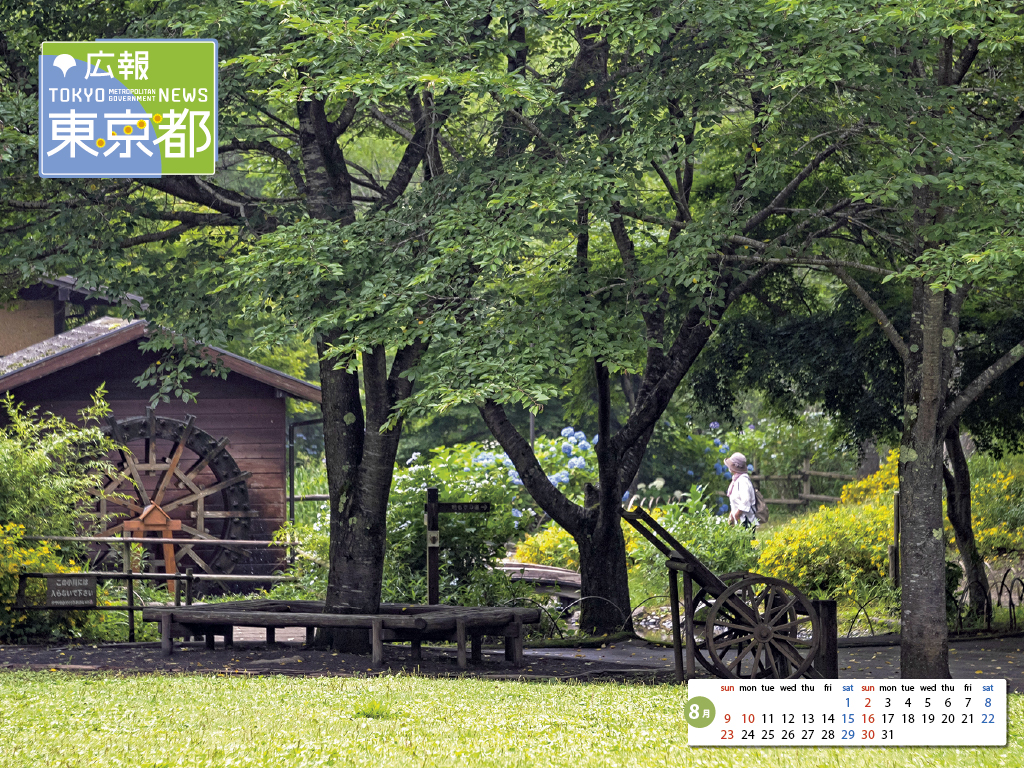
{"x":630,"y":660}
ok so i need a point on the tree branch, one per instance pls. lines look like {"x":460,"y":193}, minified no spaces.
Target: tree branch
{"x":976,"y":387}
{"x":876,"y":312}
{"x":550,"y":499}
{"x":266,"y":148}
{"x":799,"y":179}
{"x":798,"y":261}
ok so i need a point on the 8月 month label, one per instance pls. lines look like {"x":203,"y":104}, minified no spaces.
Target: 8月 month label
{"x":872,"y":712}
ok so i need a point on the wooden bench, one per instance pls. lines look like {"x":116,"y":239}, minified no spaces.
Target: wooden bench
{"x":395,"y":623}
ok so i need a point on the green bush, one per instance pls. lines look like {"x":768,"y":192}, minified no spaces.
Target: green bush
{"x":709,"y":537}
{"x":19,"y":556}
{"x":49,"y":467}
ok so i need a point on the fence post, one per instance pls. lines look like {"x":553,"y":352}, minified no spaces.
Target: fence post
{"x":827,"y":660}
{"x":188,"y":586}
{"x":131,"y":606}
{"x":807,"y":481}
{"x":431,"y":518}
{"x":677,"y":638}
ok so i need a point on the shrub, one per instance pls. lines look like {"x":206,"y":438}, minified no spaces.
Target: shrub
{"x":722,"y":547}
{"x":49,"y":467}
{"x":19,"y":556}
{"x":838,"y":547}
{"x":997,"y":510}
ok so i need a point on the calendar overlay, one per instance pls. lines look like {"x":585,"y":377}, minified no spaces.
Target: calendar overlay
{"x":869,"y":712}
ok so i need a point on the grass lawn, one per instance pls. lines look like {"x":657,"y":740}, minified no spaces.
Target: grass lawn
{"x":60,"y":719}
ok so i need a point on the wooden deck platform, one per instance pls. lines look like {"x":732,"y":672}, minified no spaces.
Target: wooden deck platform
{"x":395,"y":623}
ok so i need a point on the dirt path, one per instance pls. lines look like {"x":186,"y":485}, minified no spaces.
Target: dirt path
{"x":634,"y":659}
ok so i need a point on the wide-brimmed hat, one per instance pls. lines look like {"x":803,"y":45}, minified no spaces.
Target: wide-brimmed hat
{"x":737,"y":462}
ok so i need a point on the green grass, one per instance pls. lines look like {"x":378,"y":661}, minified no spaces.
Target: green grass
{"x":66,"y":720}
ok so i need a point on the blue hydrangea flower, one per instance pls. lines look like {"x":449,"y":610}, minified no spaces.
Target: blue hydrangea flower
{"x":717,"y":441}
{"x":516,"y":512}
{"x":572,"y":440}
{"x":577,"y":462}
{"x":594,"y":441}
{"x":583,"y":445}
{"x":567,"y":449}
{"x":707,"y":450}
{"x":689,"y":472}
{"x":514,"y":477}
{"x":689,"y":437}
{"x":567,"y":432}
{"x":723,"y":449}
{"x":506,"y":461}
{"x":580,"y":436}
{"x":750,"y":467}
{"x":559,"y":478}
{"x":484,"y":459}
{"x":625,"y":497}
{"x":714,"y":425}
{"x":723,"y":508}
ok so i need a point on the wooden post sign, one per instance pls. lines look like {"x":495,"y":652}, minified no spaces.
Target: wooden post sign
{"x":70,"y":591}
{"x":431,"y":519}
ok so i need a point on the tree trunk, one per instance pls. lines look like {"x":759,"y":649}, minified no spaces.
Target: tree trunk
{"x":603,"y":572}
{"x":360,"y":465}
{"x":924,"y":649}
{"x":958,"y":509}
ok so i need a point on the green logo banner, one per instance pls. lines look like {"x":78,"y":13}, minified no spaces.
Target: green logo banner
{"x":128,"y":108}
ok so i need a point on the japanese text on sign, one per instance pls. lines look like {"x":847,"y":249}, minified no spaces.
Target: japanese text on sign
{"x":128,"y":108}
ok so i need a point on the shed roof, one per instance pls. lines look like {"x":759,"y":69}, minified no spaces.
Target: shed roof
{"x":107,"y":333}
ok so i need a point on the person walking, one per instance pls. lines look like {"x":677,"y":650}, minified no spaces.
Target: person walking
{"x":742,"y":502}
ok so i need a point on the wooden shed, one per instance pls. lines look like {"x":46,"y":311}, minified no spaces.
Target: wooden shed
{"x":219,"y":465}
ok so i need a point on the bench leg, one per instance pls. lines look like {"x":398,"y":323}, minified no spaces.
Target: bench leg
{"x":417,"y":649}
{"x":166,"y":641}
{"x":271,"y":639}
{"x":310,"y":636}
{"x":229,"y":637}
{"x":378,"y":643}
{"x":209,"y":640}
{"x":514,"y":644}
{"x":478,"y":651}
{"x":460,"y":641}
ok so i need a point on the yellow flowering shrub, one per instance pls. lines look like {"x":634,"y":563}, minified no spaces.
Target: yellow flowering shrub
{"x":839,"y":545}
{"x":997,"y":506}
{"x":19,"y":556}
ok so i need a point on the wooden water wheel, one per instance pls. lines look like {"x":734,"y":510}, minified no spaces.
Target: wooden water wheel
{"x":170,"y":469}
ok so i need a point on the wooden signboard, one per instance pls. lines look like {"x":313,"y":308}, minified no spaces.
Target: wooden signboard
{"x":70,"y":591}
{"x":431,"y":512}
{"x":445,"y":506}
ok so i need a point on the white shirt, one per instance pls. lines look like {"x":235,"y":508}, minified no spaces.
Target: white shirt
{"x":742,"y":500}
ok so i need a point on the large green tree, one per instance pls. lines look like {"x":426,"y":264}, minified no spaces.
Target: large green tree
{"x":936,"y":88}
{"x":305,"y":95}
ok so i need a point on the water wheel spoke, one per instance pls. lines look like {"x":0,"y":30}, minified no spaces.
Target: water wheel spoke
{"x":172,"y":464}
{"x":133,"y":470}
{"x":184,"y":481}
{"x":204,"y":461}
{"x":197,"y":533}
{"x":204,"y":492}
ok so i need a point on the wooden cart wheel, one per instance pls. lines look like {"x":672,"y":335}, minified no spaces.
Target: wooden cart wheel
{"x":702,"y":604}
{"x":187,"y":474}
{"x":762,"y":627}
